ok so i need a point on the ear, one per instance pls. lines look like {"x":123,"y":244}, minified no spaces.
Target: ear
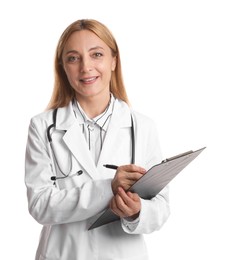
{"x":114,"y":63}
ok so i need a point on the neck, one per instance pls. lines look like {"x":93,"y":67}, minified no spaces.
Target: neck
{"x":94,"y":106}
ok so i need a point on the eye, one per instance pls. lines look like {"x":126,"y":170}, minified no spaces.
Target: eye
{"x":72,"y":59}
{"x":97,"y":55}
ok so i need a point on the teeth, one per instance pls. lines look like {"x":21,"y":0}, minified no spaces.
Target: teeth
{"x":90,"y":79}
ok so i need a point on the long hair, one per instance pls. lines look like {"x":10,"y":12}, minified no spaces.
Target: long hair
{"x":63,"y":92}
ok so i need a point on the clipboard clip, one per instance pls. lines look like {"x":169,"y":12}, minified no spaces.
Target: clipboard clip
{"x":177,"y":156}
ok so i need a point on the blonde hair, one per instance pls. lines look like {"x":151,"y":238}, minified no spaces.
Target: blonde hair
{"x":63,"y":93}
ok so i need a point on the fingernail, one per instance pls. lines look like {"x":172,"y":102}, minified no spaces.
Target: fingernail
{"x":120,"y":189}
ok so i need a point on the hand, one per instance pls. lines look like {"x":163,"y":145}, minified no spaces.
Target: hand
{"x":126,"y":176}
{"x":126,"y":204}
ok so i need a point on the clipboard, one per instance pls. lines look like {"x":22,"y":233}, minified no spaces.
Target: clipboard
{"x":152,"y":182}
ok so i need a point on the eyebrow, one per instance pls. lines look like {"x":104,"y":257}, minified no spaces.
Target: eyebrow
{"x":91,"y":49}
{"x":96,"y":47}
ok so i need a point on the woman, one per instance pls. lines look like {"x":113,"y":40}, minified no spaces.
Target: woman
{"x":89,"y":124}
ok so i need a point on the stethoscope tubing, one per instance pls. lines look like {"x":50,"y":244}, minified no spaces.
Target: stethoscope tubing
{"x":53,"y":125}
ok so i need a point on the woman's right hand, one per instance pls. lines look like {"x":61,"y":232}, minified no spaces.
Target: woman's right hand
{"x":126,"y":176}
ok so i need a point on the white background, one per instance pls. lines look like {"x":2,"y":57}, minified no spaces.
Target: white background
{"x":174,"y":57}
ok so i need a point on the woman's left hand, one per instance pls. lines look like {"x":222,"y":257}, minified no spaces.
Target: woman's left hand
{"x":126,"y":204}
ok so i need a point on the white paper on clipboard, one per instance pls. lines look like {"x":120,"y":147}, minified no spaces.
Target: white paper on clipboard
{"x":153,"y":181}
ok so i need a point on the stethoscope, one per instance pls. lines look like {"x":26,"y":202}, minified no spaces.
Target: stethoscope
{"x":65,"y":175}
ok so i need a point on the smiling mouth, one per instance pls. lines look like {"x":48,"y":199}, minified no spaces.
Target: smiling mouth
{"x":88,"y":80}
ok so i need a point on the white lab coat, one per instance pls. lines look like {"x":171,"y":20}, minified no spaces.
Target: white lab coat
{"x":67,"y":209}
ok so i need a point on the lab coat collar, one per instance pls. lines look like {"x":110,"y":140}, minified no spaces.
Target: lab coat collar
{"x":65,"y":117}
{"x":121,"y":116}
{"x":74,"y":139}
{"x":76,"y":142}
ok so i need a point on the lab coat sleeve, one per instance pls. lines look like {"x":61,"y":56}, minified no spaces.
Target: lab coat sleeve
{"x":50,"y":205}
{"x":156,"y":211}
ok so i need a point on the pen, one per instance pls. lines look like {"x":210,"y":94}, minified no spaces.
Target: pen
{"x":110,"y":166}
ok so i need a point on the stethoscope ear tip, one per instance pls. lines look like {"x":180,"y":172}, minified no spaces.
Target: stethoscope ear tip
{"x":79,"y":172}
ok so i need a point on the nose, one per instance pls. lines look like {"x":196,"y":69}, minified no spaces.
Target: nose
{"x":86,"y":64}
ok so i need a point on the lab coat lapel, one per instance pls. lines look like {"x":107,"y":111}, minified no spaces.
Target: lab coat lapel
{"x":75,"y":140}
{"x":120,"y":118}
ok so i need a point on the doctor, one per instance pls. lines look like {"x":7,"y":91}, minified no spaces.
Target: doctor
{"x":89,"y":124}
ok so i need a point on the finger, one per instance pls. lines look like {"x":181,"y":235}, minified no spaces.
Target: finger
{"x":121,"y":206}
{"x":129,"y":199}
{"x":125,"y":181}
{"x":133,"y":168}
{"x":114,"y":207}
{"x":126,"y":203}
{"x":128,"y":210}
{"x":126,"y":176}
{"x":133,"y":196}
{"x":134,"y":176}
{"x":124,"y":197}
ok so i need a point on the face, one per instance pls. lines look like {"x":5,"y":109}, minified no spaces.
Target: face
{"x":88,"y":64}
